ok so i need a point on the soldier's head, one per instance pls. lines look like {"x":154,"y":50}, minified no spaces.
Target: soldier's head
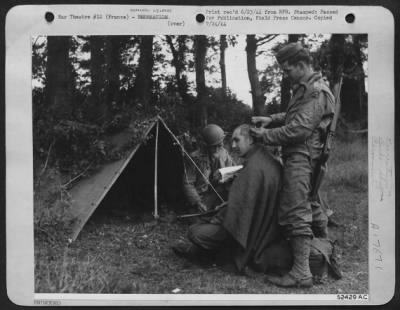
{"x":213,"y":137}
{"x":242,"y":141}
{"x":295,"y":61}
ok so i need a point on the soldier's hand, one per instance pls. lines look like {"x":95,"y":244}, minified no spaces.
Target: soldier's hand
{"x":202,"y":207}
{"x":257,"y":132}
{"x":263,"y":120}
{"x":216,"y":177}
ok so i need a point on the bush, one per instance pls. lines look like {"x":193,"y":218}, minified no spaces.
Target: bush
{"x":51,"y":207}
{"x":227,"y":111}
{"x":348,"y":164}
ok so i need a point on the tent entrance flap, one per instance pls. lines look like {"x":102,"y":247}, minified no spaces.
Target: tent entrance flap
{"x":132,"y":189}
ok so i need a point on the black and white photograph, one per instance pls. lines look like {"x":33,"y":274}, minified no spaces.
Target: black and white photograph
{"x":199,"y":155}
{"x":200,"y":164}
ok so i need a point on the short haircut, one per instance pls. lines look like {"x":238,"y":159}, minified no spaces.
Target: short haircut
{"x":244,"y":129}
{"x":303,"y":55}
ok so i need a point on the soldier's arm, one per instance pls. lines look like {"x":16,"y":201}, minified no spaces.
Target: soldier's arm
{"x":189,"y":188}
{"x":224,"y":160}
{"x":308,"y":117}
{"x":278,"y":118}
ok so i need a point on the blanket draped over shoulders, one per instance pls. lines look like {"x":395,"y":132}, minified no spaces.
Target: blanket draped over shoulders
{"x":251,"y":215}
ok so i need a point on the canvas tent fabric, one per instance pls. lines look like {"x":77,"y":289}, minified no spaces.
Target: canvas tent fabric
{"x":132,"y":178}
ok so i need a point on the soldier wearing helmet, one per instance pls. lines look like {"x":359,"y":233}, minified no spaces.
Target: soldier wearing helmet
{"x":210,"y":157}
{"x":300,"y":132}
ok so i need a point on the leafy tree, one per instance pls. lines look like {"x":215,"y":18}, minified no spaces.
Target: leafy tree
{"x":343,"y":56}
{"x":179,"y":50}
{"x":256,"y":93}
{"x":226,"y":110}
{"x":85,"y":87}
{"x":258,"y":98}
{"x":39,"y":51}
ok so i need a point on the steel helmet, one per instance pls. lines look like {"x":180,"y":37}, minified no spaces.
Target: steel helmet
{"x":213,"y":135}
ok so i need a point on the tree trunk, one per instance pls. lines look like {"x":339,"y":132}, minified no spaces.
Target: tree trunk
{"x":144,"y":82}
{"x":337,"y":58}
{"x":223,"y":46}
{"x":178,"y":62}
{"x":112,"y":70}
{"x":59,"y":79}
{"x":256,"y":92}
{"x":339,"y":63}
{"x":361,"y":78}
{"x":285,"y":83}
{"x":200,"y":58}
{"x":97,"y":109}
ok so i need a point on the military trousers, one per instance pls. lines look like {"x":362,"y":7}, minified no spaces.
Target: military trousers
{"x":207,"y":235}
{"x":298,"y":215}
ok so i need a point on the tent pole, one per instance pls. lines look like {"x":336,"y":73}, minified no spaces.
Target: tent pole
{"x":156,"y":216}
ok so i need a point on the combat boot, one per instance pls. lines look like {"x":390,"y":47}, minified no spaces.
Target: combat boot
{"x":300,"y":274}
{"x":188,"y":251}
{"x":194,"y":253}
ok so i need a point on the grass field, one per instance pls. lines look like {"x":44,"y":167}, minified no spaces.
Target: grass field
{"x":117,"y":255}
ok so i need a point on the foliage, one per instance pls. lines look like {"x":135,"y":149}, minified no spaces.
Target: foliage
{"x":39,"y":51}
{"x":74,"y":142}
{"x":78,"y":143}
{"x":226,"y":110}
{"x":51,"y":205}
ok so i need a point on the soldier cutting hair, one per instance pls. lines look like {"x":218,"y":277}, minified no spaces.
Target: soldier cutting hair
{"x":301,"y":134}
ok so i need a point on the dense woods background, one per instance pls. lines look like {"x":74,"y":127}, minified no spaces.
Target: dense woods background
{"x":85,"y":87}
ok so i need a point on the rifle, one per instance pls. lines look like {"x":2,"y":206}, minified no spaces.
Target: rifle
{"x":321,"y":168}
{"x":217,"y":208}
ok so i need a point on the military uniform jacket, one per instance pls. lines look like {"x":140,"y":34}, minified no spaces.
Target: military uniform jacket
{"x":195,"y":184}
{"x":304,"y":125}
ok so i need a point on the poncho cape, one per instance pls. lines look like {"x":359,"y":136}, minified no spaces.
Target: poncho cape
{"x":251,"y":214}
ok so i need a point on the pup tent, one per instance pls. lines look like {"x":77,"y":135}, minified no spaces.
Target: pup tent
{"x":150,"y":174}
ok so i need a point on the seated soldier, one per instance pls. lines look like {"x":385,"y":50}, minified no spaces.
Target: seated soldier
{"x":200,"y":184}
{"x":250,"y":216}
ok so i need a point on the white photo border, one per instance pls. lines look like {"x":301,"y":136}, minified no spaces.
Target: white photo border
{"x":24,"y":22}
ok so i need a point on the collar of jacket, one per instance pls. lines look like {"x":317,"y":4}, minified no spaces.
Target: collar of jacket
{"x":315,"y":76}
{"x":301,"y":88}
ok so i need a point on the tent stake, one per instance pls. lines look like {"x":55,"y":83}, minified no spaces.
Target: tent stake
{"x":156,"y":216}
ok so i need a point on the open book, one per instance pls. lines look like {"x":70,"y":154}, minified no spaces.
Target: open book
{"x":229,"y":172}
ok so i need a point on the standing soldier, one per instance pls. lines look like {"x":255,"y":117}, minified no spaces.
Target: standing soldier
{"x":199,"y":186}
{"x":301,"y":135}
